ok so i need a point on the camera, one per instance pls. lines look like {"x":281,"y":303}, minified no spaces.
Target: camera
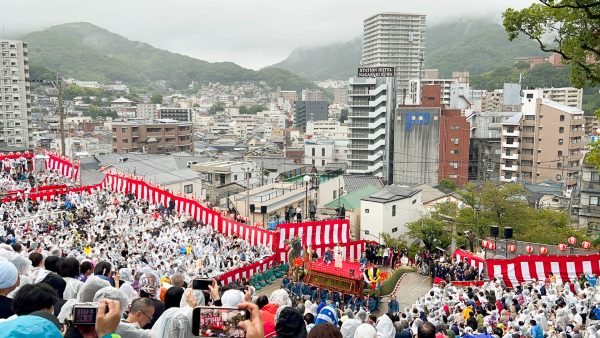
{"x":85,"y":314}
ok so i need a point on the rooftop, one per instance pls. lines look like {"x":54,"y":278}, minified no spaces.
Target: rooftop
{"x":356,"y":182}
{"x":121,"y":100}
{"x":392,"y":193}
{"x":562,"y":107}
{"x":351,"y":201}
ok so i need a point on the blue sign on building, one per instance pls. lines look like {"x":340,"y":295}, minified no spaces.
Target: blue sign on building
{"x":414,"y":118}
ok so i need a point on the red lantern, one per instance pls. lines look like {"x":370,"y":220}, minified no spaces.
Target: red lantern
{"x":529,"y":249}
{"x":484,"y":243}
{"x":562,"y":247}
{"x":586,"y":244}
{"x":512,"y":248}
{"x":543,"y":250}
{"x":572,"y":240}
{"x":491,"y":245}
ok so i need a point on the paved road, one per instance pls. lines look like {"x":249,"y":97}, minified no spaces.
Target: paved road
{"x":412,"y":287}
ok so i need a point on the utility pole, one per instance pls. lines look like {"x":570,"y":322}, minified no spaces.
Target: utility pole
{"x":61,"y":114}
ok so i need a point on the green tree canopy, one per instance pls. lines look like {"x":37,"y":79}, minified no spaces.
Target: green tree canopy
{"x":156,"y":98}
{"x":217,"y":107}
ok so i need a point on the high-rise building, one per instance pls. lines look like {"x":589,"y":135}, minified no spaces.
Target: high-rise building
{"x":395,"y":40}
{"x":305,"y":111}
{"x":370,"y":116}
{"x":544,"y":142}
{"x":15,"y":100}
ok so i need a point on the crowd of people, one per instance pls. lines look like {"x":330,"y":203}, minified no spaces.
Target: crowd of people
{"x":449,"y":270}
{"x":20,"y":177}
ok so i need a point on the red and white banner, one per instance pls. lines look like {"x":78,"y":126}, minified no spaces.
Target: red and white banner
{"x":351,"y":251}
{"x":316,"y":234}
{"x":526,"y":268}
{"x":473,"y":260}
{"x":67,"y":167}
{"x":247,"y":271}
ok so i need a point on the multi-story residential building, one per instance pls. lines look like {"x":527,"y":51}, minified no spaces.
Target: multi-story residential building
{"x":431,"y":142}
{"x":320,"y":153}
{"x":545,"y":142}
{"x":179,"y":114}
{"x":287,"y":95}
{"x":313,"y":95}
{"x":15,"y":101}
{"x":395,"y":40}
{"x":147,"y":110}
{"x":589,"y":199}
{"x":305,"y":111}
{"x":326,"y":129}
{"x":484,"y":148}
{"x":152,"y":136}
{"x":569,"y":96}
{"x":371,"y":110}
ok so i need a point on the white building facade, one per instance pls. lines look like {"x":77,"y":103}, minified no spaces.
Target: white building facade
{"x":15,"y":102}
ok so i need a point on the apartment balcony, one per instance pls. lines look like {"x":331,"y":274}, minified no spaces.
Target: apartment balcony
{"x":589,"y":210}
{"x":573,"y":146}
{"x":358,"y":92}
{"x":513,"y":167}
{"x":366,"y":157}
{"x":378,"y":90}
{"x":515,"y":133}
{"x":577,"y":133}
{"x":361,"y":169}
{"x":512,"y":156}
{"x":371,"y":125}
{"x":575,"y":157}
{"x":529,"y":123}
{"x":525,"y":157}
{"x":587,"y":186}
{"x":577,"y":122}
{"x":367,"y":146}
{"x":514,"y":145}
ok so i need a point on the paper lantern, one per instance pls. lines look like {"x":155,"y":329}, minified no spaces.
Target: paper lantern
{"x":18,"y":153}
{"x":484,"y":244}
{"x":102,"y":168}
{"x":512,"y":248}
{"x":572,"y":240}
{"x":543,"y":250}
{"x":491,"y":245}
{"x":529,"y":249}
{"x":26,"y":152}
{"x":586,"y":244}
{"x":231,"y":216}
{"x":562,"y":247}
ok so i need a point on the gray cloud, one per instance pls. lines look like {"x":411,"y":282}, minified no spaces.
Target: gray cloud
{"x":252,"y":33}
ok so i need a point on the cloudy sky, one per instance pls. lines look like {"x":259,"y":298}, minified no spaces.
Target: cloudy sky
{"x":252,"y":33}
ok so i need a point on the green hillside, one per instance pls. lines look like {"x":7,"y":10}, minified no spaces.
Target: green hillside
{"x":476,"y":45}
{"x":334,"y":61}
{"x":87,"y":52}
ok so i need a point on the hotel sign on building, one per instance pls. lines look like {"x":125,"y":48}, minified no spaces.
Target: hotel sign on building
{"x":376,"y":72}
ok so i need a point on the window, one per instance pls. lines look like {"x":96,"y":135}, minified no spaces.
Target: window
{"x":188,"y":189}
{"x":510,"y":140}
{"x":529,"y":129}
{"x":454,"y":165}
{"x":560,"y":141}
{"x":528,"y":140}
{"x":454,"y":140}
{"x":366,"y":211}
{"x":510,"y":129}
{"x":394,"y":229}
{"x":508,"y":175}
{"x":558,"y":165}
{"x":313,"y":162}
{"x":562,"y":117}
{"x":124,"y":130}
{"x":414,"y":202}
{"x":235,"y":177}
{"x":334,"y":194}
{"x":454,"y":151}
{"x":455,"y":127}
{"x":322,"y":151}
{"x":393,"y":210}
{"x":322,"y":163}
{"x":453,"y":176}
{"x":125,"y":140}
{"x":593,"y":200}
{"x":313,"y":152}
{"x":561,"y":130}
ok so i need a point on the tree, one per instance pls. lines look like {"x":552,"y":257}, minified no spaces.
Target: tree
{"x":432,"y":231}
{"x":156,"y":98}
{"x":567,"y":27}
{"x":448,"y":184}
{"x":217,"y":107}
{"x":243,"y":110}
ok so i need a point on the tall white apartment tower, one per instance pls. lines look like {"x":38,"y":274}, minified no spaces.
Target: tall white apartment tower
{"x":370,"y":118}
{"x":15,"y":99}
{"x":398,"y":40}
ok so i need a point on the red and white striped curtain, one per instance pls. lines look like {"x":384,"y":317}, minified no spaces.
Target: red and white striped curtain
{"x":65,"y":166}
{"x":526,"y":268}
{"x":472,"y":259}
